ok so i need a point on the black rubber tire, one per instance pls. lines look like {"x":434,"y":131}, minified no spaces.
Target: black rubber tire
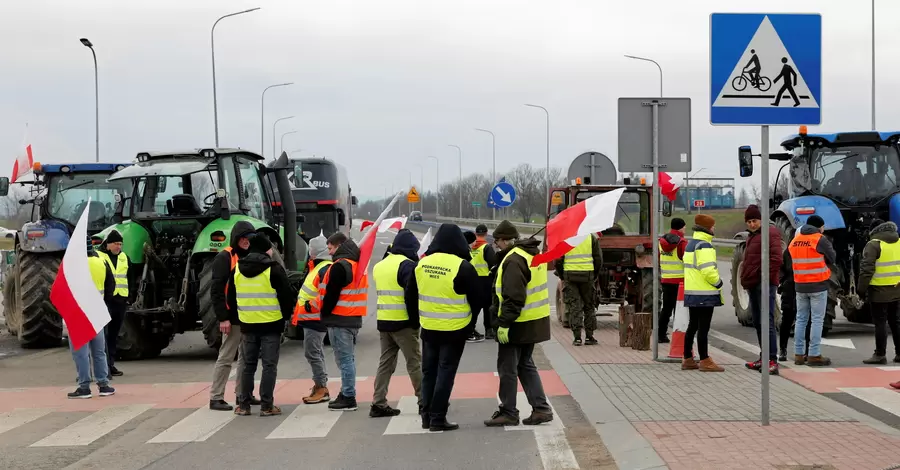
{"x":205,"y":309}
{"x":647,"y":292}
{"x":10,"y":311}
{"x":743,"y":312}
{"x":135,"y":344}
{"x":41,"y":327}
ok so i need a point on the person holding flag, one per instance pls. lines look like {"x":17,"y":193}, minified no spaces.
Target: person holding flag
{"x":111,"y":253}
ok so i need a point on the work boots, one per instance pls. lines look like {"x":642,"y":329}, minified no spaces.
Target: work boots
{"x":818,"y":361}
{"x":689,"y":364}
{"x":799,"y":359}
{"x":709,"y":365}
{"x":317,"y":395}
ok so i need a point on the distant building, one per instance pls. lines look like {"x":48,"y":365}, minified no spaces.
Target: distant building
{"x":715,"y":193}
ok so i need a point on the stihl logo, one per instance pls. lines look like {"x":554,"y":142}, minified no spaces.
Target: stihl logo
{"x":800,"y":243}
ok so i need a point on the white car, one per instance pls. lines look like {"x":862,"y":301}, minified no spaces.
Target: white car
{"x":7,"y":233}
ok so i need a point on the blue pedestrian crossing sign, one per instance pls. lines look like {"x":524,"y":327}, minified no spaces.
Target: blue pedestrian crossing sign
{"x":502,"y":195}
{"x":765,"y":69}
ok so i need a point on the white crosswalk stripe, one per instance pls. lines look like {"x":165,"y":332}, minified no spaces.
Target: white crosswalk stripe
{"x":307,"y":421}
{"x":15,"y":418}
{"x":92,"y":427}
{"x":884,"y":398}
{"x":408,"y":421}
{"x":196,"y":427}
{"x":551,"y":440}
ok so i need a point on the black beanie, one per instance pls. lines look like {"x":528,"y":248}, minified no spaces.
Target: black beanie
{"x":815,"y":221}
{"x":260,"y":243}
{"x":113,"y":237}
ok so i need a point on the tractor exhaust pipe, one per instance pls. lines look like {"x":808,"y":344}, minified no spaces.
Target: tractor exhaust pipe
{"x":288,"y":209}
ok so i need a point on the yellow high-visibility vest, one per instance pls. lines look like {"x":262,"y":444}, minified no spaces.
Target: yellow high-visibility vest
{"x":440,"y":307}
{"x":309,"y":292}
{"x":479,"y":263}
{"x":669,"y":265}
{"x":257,"y":301}
{"x":391,"y":306}
{"x":581,"y":258}
{"x":98,"y":272}
{"x":887,"y":266}
{"x":120,"y":272}
{"x":701,"y":273}
{"x":537,"y":296}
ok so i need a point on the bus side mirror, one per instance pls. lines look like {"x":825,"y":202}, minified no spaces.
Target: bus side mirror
{"x":4,"y":186}
{"x":667,"y":208}
{"x":745,"y":161}
{"x":342,"y":219}
{"x":353,"y":200}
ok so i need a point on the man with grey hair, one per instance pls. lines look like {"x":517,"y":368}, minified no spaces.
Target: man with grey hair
{"x":306,"y":314}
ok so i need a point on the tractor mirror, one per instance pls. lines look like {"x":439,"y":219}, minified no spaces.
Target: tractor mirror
{"x":667,"y":208}
{"x":745,"y":161}
{"x":4,"y":186}
{"x":342,"y":219}
{"x":353,"y":200}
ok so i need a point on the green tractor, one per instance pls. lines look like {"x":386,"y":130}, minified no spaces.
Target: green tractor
{"x":182,"y":208}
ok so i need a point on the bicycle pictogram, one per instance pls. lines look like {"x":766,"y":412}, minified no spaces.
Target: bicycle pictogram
{"x":761,"y":83}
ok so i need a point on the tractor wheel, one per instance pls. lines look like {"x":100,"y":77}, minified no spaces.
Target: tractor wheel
{"x":10,"y":311}
{"x":787,"y":231}
{"x":561,"y":304}
{"x":647,"y":292}
{"x":41,"y":326}
{"x":206,"y":311}
{"x":739,"y":296}
{"x":134,"y":343}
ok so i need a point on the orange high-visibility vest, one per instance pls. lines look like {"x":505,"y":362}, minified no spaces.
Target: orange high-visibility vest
{"x":353,"y":298}
{"x":234,"y":262}
{"x":809,"y":265}
{"x":300,"y":313}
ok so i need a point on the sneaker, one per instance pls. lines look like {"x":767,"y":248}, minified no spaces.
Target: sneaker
{"x":492,"y":334}
{"x":81,"y":393}
{"x":501,"y":419}
{"x":317,"y":395}
{"x":782,"y":357}
{"x":383,"y":411}
{"x":342,"y":403}
{"x":876,"y":359}
{"x":537,"y":418}
{"x":107,"y":391}
{"x":475,"y":337}
{"x":273,"y":411}
{"x":755,"y":365}
{"x":773,"y":368}
{"x":240,"y":411}
{"x":220,"y":405}
{"x":590,"y":341}
{"x":576,"y":342}
{"x":115,"y":372}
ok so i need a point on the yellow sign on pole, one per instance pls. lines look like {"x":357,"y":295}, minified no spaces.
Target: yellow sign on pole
{"x":413,"y":196}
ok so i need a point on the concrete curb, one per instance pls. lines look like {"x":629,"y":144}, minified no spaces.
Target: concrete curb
{"x":626,"y":445}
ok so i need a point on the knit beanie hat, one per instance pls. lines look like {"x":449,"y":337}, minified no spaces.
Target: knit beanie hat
{"x":705,"y":221}
{"x":113,"y":237}
{"x":260,"y":244}
{"x":815,"y":221}
{"x":470,"y":237}
{"x":318,"y":248}
{"x":506,"y":231}
{"x":752,"y":213}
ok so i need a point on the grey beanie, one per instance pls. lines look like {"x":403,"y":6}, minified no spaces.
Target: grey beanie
{"x":318,"y":248}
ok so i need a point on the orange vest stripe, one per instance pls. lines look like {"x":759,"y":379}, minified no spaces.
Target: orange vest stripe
{"x":300,"y":313}
{"x":234,"y":262}
{"x":354,"y":297}
{"x":808,"y":264}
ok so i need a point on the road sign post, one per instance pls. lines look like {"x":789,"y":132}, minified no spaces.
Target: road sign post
{"x":745,"y":50}
{"x":502,"y":194}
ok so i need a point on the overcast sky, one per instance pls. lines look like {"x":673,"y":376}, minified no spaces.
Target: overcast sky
{"x":379,"y":85}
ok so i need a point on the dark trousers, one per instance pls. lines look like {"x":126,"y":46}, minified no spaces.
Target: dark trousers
{"x":514,"y":365}
{"x":117,"y":316}
{"x":265,"y":348}
{"x":487,"y":316}
{"x":788,"y":316}
{"x":756,"y":309}
{"x":439,"y":364}
{"x":886,"y":315}
{"x":670,"y":301}
{"x":484,"y":307}
{"x":701,"y":317}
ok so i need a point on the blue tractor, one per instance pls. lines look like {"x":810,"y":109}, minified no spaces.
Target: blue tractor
{"x":849,"y":179}
{"x":58,"y":195}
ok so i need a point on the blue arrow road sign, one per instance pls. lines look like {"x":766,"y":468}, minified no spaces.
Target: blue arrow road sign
{"x":765,"y":69}
{"x":503,"y":194}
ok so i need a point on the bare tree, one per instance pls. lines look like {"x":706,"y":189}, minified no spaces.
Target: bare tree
{"x":743,"y":198}
{"x":755,"y":194}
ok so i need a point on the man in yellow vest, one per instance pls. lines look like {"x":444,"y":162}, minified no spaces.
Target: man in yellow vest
{"x":579,"y":268}
{"x":399,"y":331}
{"x":484,"y":259}
{"x":94,"y":352}
{"x":306,"y":315}
{"x":522,"y":302}
{"x":671,"y":253}
{"x":879,"y":277}
{"x":441,"y":294}
{"x":110,"y":251}
{"x":264,"y":300}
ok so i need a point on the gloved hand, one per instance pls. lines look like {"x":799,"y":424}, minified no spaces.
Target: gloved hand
{"x":503,"y":335}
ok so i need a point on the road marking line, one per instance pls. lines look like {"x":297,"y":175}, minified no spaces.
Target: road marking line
{"x":525,"y":411}
{"x":889,"y":368}
{"x":306,"y":421}
{"x":886,"y":399}
{"x":15,"y":418}
{"x":551,"y":440}
{"x":811,"y":370}
{"x":92,"y":427}
{"x":196,"y":427}
{"x":408,"y":421}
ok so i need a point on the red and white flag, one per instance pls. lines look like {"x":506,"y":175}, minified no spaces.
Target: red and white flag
{"x":395,"y":223}
{"x":367,"y":245}
{"x":574,"y":224}
{"x":667,"y":186}
{"x":425,"y":243}
{"x":24,"y":160}
{"x":74,"y":293}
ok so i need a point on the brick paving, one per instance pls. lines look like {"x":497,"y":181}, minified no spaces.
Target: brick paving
{"x":745,"y":445}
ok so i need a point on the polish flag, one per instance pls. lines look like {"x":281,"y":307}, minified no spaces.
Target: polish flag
{"x":667,"y":186}
{"x":425,"y":243}
{"x":73,"y":292}
{"x":367,"y":245}
{"x":573,"y":225}
{"x":24,"y":160}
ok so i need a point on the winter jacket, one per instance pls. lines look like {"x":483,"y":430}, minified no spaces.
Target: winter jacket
{"x":449,"y":239}
{"x":581,"y":276}
{"x":405,"y":244}
{"x":116,"y":302}
{"x":486,"y":283}
{"x":221,"y":275}
{"x":315,"y":325}
{"x":886,"y":232}
{"x":824,"y":248}
{"x":252,"y":265}
{"x":672,"y":241}
{"x":341,"y":276}
{"x":516,"y":276}
{"x":751,"y":274}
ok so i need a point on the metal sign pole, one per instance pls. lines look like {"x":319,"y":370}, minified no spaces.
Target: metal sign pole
{"x":657,"y":213}
{"x":764,"y":294}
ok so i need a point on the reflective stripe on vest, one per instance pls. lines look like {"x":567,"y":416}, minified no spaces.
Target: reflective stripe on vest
{"x":440,"y":307}
{"x":98,"y":272}
{"x":479,"y":263}
{"x":699,"y":255}
{"x":581,"y":257}
{"x":257,"y":301}
{"x":120,"y":272}
{"x":887,"y":266}
{"x":234,"y":262}
{"x":537,"y":296}
{"x":669,"y":265}
{"x":390,"y":294}
{"x":353,"y":297}
{"x":309,"y":292}
{"x":808,"y":264}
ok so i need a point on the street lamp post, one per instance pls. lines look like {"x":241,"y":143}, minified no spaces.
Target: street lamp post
{"x":87,"y":43}
{"x":262,"y":119}
{"x":873,"y":65}
{"x":437,"y":184}
{"x":459,"y":154}
{"x":493,"y":164}
{"x":282,"y":141}
{"x":657,"y":66}
{"x":273,"y":133}
{"x":212,"y":43}
{"x":548,"y":152}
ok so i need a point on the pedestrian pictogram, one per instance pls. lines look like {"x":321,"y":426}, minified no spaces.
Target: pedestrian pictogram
{"x":765,"y":69}
{"x":413,"y":196}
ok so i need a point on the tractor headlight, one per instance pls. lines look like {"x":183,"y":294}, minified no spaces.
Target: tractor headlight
{"x":639,"y":249}
{"x":143,"y":157}
{"x":64,"y":169}
{"x":120,"y":167}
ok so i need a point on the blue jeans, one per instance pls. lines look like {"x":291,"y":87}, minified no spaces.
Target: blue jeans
{"x":810,"y":306}
{"x":92,"y":352}
{"x":342,"y":341}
